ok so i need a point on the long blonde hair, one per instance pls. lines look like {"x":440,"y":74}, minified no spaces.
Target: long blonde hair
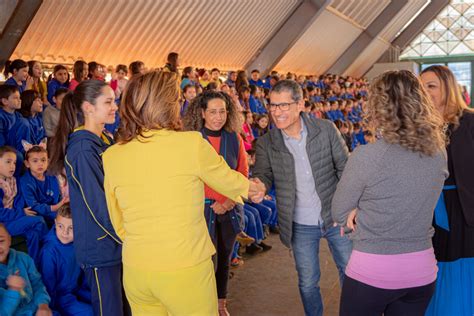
{"x":401,"y":109}
{"x":454,"y":104}
{"x":149,"y":102}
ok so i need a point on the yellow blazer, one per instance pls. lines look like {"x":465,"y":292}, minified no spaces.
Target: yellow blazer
{"x":155,"y":196}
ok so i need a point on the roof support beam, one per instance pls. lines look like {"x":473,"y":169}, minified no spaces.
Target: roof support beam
{"x":366,"y":37}
{"x":416,"y":26}
{"x":293,"y":28}
{"x":16,"y":26}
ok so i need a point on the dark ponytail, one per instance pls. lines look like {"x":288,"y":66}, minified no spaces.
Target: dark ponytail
{"x":12,"y":65}
{"x":71,"y":116}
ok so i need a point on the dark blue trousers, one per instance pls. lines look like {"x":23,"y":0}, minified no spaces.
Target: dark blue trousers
{"x":33,"y":228}
{"x":108,"y":297}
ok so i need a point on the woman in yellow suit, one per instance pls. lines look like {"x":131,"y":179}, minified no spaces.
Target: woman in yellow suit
{"x":154,"y":184}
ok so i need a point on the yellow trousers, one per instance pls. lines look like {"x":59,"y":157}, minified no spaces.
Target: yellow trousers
{"x":185,"y":292}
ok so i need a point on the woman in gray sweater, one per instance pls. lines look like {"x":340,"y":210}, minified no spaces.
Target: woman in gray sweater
{"x":387,"y":195}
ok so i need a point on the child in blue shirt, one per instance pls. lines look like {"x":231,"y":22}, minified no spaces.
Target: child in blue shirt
{"x":20,"y":78}
{"x":255,"y":78}
{"x":18,"y":220}
{"x":62,"y":275}
{"x":29,"y":127}
{"x":41,"y":192}
{"x":10,"y":101}
{"x":60,"y":80}
{"x":21,"y":290}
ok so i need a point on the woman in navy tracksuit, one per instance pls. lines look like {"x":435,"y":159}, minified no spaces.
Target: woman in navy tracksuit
{"x":97,"y":247}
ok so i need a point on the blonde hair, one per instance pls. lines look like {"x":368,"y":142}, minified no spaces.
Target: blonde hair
{"x":401,"y":109}
{"x":454,"y":104}
{"x":149,"y":102}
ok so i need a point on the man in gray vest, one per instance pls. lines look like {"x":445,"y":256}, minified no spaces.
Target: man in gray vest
{"x":304,"y":158}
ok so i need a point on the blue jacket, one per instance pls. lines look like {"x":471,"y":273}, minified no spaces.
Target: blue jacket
{"x":358,"y":139}
{"x":29,"y":129}
{"x":62,"y":275}
{"x":258,"y":83}
{"x":97,"y":244}
{"x":335,"y":115}
{"x":34,"y":293}
{"x":40,"y":195}
{"x":7,"y":121}
{"x":113,"y":128}
{"x":14,"y":213}
{"x":256,"y":106}
{"x":354,"y":116}
{"x":54,"y":85}
{"x":12,"y":82}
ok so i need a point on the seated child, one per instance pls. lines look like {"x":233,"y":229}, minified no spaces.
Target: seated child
{"x":21,"y":290}
{"x":41,"y":192}
{"x":63,"y":277}
{"x":51,"y":113}
{"x":10,"y":102}
{"x":19,"y":221}
{"x":30,"y":127}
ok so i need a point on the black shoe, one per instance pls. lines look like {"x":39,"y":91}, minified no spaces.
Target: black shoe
{"x":275,"y":230}
{"x":253,"y":249}
{"x":264,"y":246}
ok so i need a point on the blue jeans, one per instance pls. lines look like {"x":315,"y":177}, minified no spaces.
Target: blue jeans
{"x":305,"y":244}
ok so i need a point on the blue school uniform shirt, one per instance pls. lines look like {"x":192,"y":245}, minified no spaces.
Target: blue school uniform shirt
{"x":34,"y":293}
{"x":267,"y":84}
{"x":12,"y":82}
{"x":40,"y":195}
{"x":62,"y":274}
{"x":7,"y":121}
{"x":258,"y":83}
{"x":97,"y":244}
{"x":54,"y":85}
{"x":333,"y":98}
{"x":335,"y":115}
{"x":230,"y":83}
{"x":113,"y":127}
{"x":256,"y":106}
{"x":29,"y":129}
{"x":316,"y":98}
{"x":358,"y":139}
{"x":354,"y":116}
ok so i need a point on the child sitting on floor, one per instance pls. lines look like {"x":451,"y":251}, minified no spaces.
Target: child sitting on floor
{"x":21,"y":290}
{"x":62,"y":275}
{"x":40,"y":191}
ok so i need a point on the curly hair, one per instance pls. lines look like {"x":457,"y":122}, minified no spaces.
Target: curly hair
{"x":193,"y":120}
{"x":149,"y":102}
{"x":401,"y":109}
{"x":452,"y":98}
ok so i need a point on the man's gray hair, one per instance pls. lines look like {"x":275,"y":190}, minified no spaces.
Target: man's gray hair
{"x":289,"y":86}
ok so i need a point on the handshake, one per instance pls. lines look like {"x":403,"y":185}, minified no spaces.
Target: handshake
{"x":257,"y":190}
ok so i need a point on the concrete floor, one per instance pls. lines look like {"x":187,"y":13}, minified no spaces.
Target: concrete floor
{"x":267,"y":284}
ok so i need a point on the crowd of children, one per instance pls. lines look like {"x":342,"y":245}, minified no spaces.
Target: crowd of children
{"x":35,"y":199}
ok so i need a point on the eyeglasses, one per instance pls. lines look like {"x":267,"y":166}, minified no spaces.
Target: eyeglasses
{"x":281,"y":106}
{"x":215,"y":112}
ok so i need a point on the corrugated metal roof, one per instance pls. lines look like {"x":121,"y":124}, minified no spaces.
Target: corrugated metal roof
{"x":361,"y":12}
{"x":373,"y":51}
{"x":365,"y":60}
{"x":212,"y":33}
{"x":402,"y":18}
{"x":320,"y":46}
